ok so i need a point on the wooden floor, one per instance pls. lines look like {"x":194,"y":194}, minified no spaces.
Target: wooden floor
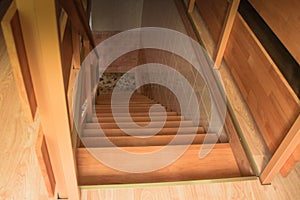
{"x":281,"y":189}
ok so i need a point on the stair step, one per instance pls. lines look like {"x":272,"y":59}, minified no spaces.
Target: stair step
{"x":167,"y":124}
{"x":219,"y":163}
{"x":139,"y":98}
{"x":136,"y":119}
{"x":122,"y":109}
{"x":139,"y":114}
{"x":135,"y":101}
{"x":147,"y":105}
{"x":121,"y":94}
{"x":106,"y":99}
{"x":141,"y":131}
{"x":157,"y":140}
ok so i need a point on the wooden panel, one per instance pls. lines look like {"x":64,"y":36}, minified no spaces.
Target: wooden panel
{"x":273,"y":105}
{"x":236,"y":145}
{"x":167,"y":124}
{"x":44,"y":162}
{"x":187,"y":167}
{"x":142,"y":132}
{"x":19,"y":63}
{"x":157,"y":140}
{"x":19,"y":171}
{"x":214,"y":14}
{"x":291,"y":162}
{"x":283,"y":18}
{"x":282,"y":153}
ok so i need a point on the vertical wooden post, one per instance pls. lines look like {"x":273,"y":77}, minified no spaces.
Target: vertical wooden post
{"x":282,"y":154}
{"x":191,"y":6}
{"x":41,"y":38}
{"x":76,"y":49}
{"x":88,"y":88}
{"x":227,"y":26}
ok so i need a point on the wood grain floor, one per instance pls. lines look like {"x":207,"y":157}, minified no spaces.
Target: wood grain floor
{"x":282,"y":189}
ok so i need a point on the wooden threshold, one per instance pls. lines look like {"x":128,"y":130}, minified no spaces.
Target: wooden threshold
{"x":173,"y":183}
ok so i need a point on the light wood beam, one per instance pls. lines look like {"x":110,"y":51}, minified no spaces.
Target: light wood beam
{"x":191,"y":6}
{"x":282,"y":154}
{"x":227,"y":26}
{"x":76,"y":49}
{"x":41,"y":38}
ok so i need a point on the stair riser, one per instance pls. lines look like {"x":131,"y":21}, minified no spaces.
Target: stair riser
{"x":122,"y":109}
{"x":141,"y":132}
{"x":160,"y":140}
{"x":135,"y":119}
{"x":219,"y":163}
{"x":167,"y":124}
{"x":147,"y":105}
{"x":141,"y":114}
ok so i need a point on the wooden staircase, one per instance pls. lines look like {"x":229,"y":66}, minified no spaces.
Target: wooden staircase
{"x":219,"y":163}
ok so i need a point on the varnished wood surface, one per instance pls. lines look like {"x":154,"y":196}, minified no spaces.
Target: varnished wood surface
{"x":281,"y":189}
{"x":226,"y":29}
{"x":283,"y":18}
{"x":286,"y":148}
{"x":145,"y":131}
{"x":41,"y":38}
{"x":272,"y":104}
{"x":18,"y":59}
{"x":255,"y":143}
{"x":157,"y":140}
{"x":188,"y":167}
{"x":291,"y":162}
{"x":20,"y":175}
{"x":214,"y":13}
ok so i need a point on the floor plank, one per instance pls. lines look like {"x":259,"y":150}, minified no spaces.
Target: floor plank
{"x":281,"y":189}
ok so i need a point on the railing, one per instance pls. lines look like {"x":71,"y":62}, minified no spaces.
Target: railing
{"x":86,"y":90}
{"x":76,"y":44}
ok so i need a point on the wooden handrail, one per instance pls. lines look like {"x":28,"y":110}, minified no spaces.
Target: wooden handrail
{"x":77,"y":15}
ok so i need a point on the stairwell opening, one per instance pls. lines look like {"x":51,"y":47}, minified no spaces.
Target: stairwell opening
{"x":226,"y":160}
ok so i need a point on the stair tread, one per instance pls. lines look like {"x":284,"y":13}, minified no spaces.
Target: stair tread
{"x":130,"y":124}
{"x":219,"y":163}
{"x":157,"y":140}
{"x":135,"y":114}
{"x":141,"y":131}
{"x":122,"y":109}
{"x":137,"y":119}
{"x":125,"y":105}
